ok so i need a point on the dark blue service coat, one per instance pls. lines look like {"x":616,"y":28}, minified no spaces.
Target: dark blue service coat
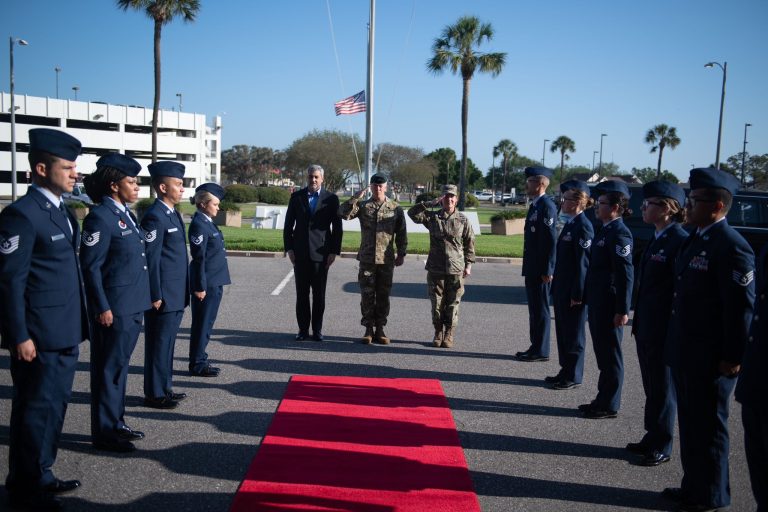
{"x":166,"y":256}
{"x":209,"y":257}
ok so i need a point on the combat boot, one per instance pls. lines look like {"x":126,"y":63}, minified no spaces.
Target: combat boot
{"x":448,"y":337}
{"x":438,"y":339}
{"x":381,"y":338}
{"x":368,"y":336}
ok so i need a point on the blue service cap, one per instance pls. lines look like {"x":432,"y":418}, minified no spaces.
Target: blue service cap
{"x":378,"y":178}
{"x":55,"y":142}
{"x":539,"y":171}
{"x":664,"y":189}
{"x":122,"y":163}
{"x":212,"y":188}
{"x":713,"y":178}
{"x":608,"y":186}
{"x":166,"y":168}
{"x":574,"y":185}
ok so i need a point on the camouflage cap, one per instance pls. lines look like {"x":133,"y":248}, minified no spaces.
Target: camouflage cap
{"x":378,"y":179}
{"x":450,"y":189}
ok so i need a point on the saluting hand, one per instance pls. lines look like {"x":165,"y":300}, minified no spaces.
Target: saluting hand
{"x":362,"y":193}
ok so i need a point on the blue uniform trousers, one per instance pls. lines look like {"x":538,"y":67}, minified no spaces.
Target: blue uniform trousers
{"x":702,"y":405}
{"x":660,"y":401}
{"x":310,"y":275}
{"x":571,"y":338}
{"x":160,"y":338}
{"x":203,"y":316}
{"x":755,"y":420}
{"x":111,"y":350}
{"x":42,"y":389}
{"x":606,"y":340}
{"x":539,"y":318}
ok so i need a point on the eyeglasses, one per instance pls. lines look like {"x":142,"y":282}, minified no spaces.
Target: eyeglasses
{"x":693,"y":200}
{"x":571,"y":199}
{"x":647,"y":203}
{"x":604,"y":203}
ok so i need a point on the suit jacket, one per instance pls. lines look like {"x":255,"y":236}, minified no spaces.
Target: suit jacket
{"x":41,"y":286}
{"x":166,"y":256}
{"x":712,"y":304}
{"x":573,"y":252}
{"x":209,"y":257}
{"x":540,"y":239}
{"x":753,"y":386}
{"x":312,"y":236}
{"x":112,"y":256}
{"x":610,"y":274}
{"x":656,"y":278}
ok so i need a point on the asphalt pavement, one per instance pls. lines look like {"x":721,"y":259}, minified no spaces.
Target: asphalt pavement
{"x":527,"y":446}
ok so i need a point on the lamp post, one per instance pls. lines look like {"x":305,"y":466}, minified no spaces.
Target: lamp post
{"x":744,"y":152}
{"x":544,"y":151}
{"x":20,"y":42}
{"x":57,"y":69}
{"x":181,"y":105}
{"x":600,"y":165}
{"x":75,"y":88}
{"x":493,"y":181}
{"x":594,"y":153}
{"x":724,"y":68}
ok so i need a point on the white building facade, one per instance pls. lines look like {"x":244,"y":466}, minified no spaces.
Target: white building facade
{"x":103,"y":128}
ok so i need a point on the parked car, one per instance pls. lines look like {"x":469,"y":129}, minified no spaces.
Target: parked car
{"x":518,"y":199}
{"x":77,"y":195}
{"x":483,"y":196}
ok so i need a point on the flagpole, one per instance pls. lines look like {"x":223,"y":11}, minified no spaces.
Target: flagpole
{"x":369,"y":98}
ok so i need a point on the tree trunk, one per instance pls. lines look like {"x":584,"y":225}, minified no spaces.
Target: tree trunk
{"x":658,"y":167}
{"x":464,"y":121}
{"x":562,"y":165}
{"x":156,"y":104}
{"x":504,"y":181}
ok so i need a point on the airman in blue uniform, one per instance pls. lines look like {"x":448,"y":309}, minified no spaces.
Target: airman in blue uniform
{"x":662,"y":207}
{"x":752,"y":389}
{"x":711,"y":315}
{"x":208,"y":273}
{"x":168,"y":264}
{"x":538,"y":261}
{"x":112,"y":256}
{"x":609,"y":290}
{"x":43,"y":317}
{"x":573,"y":252}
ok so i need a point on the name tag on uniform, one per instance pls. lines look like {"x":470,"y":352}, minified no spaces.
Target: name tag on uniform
{"x":126,"y":233}
{"x":173,"y":230}
{"x":60,"y":236}
{"x":215,"y":235}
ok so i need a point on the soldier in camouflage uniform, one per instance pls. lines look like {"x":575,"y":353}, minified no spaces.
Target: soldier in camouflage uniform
{"x":451,"y":254}
{"x":382,"y":223}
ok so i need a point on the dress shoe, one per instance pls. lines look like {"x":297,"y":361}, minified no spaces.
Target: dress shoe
{"x":317,"y":336}
{"x":176,"y":397}
{"x":208,"y":371}
{"x":586,"y":407}
{"x":39,"y":501}
{"x":117,"y":446}
{"x":160,"y":403}
{"x":565,"y":384}
{"x":654,"y":458}
{"x":60,"y":486}
{"x":600,"y":414}
{"x":126,"y":433}
{"x":638,"y":448}
{"x":673,"y":494}
{"x":530,"y":358}
{"x":302,"y":336}
{"x":552,"y":379}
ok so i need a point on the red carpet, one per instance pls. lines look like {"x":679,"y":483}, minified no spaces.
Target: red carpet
{"x":358,"y":444}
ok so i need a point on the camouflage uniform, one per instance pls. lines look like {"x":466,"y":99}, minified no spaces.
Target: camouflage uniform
{"x":381,"y":225}
{"x":451,"y":249}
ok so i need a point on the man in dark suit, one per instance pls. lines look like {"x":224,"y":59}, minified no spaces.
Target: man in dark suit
{"x":708,"y":331}
{"x":540,"y":241}
{"x":168,"y":283}
{"x":312,"y":240}
{"x":43,"y":317}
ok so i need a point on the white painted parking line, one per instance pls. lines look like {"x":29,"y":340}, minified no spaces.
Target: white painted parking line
{"x":282,"y":284}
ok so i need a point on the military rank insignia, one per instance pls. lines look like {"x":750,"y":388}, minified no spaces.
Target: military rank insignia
{"x":743,"y":279}
{"x":7,"y":246}
{"x":623,"y":251}
{"x":150,"y":236}
{"x":197,"y":240}
{"x":549,"y":222}
{"x":585,"y":244}
{"x":91,"y":239}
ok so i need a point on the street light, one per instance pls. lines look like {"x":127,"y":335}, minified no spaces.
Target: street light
{"x":724,"y":68}
{"x":600,"y":165}
{"x":75,"y":88}
{"x":493,"y":181}
{"x":744,"y":152}
{"x":20,"y":42}
{"x":593,"y":160}
{"x":180,"y":103}
{"x":544,"y":151}
{"x":57,"y":69}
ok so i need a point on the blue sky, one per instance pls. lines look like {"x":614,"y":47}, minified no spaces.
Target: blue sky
{"x":576,"y":68}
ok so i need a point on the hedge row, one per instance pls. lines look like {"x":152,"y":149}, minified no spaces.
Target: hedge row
{"x":249,"y":194}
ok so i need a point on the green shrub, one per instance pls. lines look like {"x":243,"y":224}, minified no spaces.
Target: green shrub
{"x":509,"y":214}
{"x":76,"y":204}
{"x":241,"y":194}
{"x":471,"y":201}
{"x":273,"y":195}
{"x":428,"y":196}
{"x":228,"y":206}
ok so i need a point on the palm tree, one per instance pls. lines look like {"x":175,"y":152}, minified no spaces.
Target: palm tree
{"x":564,"y":145}
{"x":162,"y":12}
{"x":455,"y":49}
{"x":662,"y":136}
{"x":505,"y":148}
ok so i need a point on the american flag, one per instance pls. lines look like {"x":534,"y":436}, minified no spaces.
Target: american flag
{"x":351,"y":105}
